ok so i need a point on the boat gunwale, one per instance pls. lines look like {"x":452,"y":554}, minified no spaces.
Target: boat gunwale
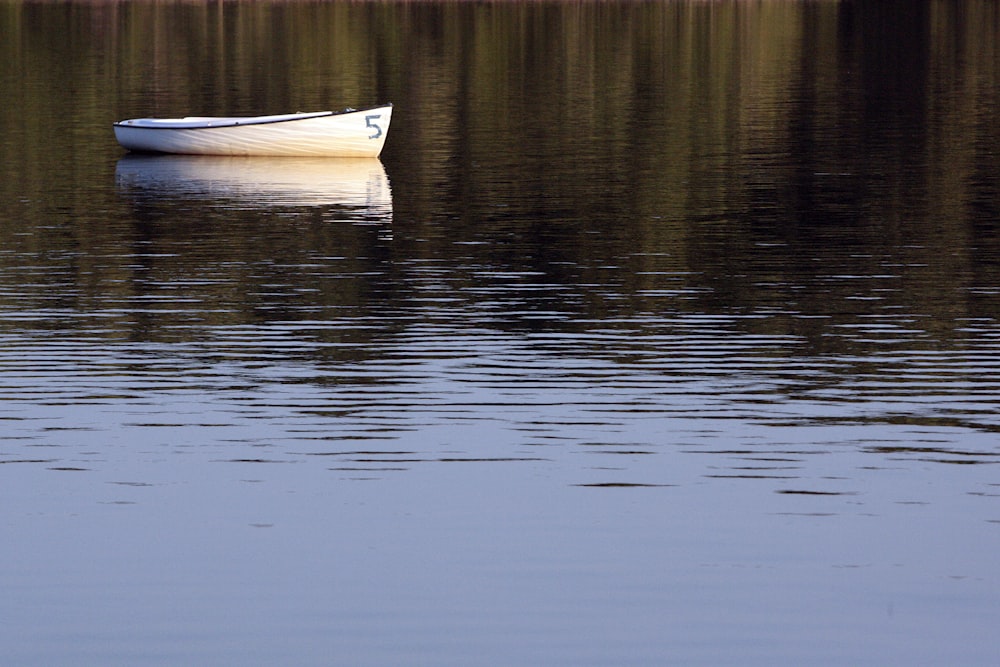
{"x":216,"y":122}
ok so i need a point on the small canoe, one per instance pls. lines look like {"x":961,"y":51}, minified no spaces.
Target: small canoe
{"x":347,"y":133}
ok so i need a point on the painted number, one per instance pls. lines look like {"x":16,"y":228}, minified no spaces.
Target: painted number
{"x":378,"y":128}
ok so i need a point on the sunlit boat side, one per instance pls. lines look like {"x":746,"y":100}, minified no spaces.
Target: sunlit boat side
{"x":348,"y":133}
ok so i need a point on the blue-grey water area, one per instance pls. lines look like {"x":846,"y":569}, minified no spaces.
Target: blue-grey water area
{"x":660,"y":333}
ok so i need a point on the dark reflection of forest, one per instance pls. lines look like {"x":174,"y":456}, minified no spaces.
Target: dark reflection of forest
{"x":754,"y":147}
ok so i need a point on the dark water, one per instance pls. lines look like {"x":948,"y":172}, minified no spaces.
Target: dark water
{"x":662,"y":333}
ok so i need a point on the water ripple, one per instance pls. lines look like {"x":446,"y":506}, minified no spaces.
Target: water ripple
{"x":629,"y":391}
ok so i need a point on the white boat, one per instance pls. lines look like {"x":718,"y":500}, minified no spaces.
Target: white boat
{"x":347,"y":133}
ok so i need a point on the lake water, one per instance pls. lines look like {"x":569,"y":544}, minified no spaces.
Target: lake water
{"x":661,"y":333}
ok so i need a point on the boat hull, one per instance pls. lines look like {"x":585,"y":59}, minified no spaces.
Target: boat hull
{"x":349,"y":133}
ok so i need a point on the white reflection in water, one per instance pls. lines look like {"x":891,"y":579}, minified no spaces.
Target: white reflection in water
{"x":254,"y":182}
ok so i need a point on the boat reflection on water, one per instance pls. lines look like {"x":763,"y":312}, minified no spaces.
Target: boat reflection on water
{"x":358,"y":186}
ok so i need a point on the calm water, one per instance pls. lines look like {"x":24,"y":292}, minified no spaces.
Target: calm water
{"x":662,"y":333}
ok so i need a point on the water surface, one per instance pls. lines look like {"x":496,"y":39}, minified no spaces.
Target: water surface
{"x":660,"y":333}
